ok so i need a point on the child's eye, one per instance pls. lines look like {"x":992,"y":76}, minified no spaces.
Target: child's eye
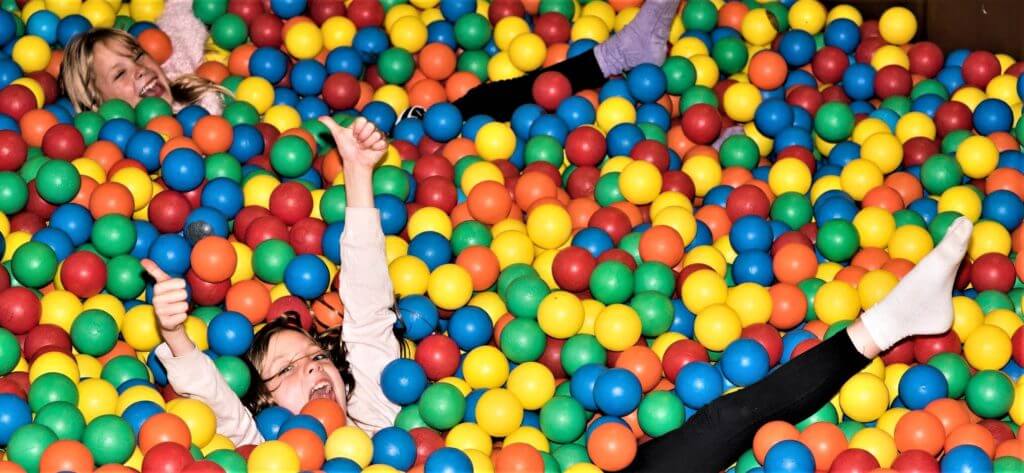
{"x":320,"y":356}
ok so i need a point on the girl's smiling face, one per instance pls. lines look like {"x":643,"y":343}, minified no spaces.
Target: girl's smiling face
{"x":297,"y":370}
{"x":128,"y":74}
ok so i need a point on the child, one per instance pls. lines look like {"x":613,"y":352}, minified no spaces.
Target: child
{"x":293,"y":366}
{"x":105,"y":64}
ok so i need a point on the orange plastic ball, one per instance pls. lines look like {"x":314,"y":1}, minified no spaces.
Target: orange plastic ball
{"x":826,"y":441}
{"x":662,"y":244}
{"x":111,"y":198}
{"x":482,"y":265}
{"x":770,"y":434}
{"x":328,"y":412}
{"x":768,"y":70}
{"x":794,"y":263}
{"x":789,"y":306}
{"x":213,"y":259}
{"x":643,"y":363}
{"x":213,"y":134}
{"x":612,"y":446}
{"x":518,"y":458}
{"x":307,"y":445}
{"x":164,"y":427}
{"x":489,"y":202}
{"x":919,"y":430}
{"x":34,"y":124}
{"x":437,"y":61}
{"x":459,"y":84}
{"x":66,"y":455}
{"x":156,"y":43}
{"x":250,"y":299}
{"x":972,"y":434}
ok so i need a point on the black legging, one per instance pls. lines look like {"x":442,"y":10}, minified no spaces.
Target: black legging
{"x":499,"y":99}
{"x":720,"y":432}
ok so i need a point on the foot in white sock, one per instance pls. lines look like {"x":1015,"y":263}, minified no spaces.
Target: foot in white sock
{"x":921,"y":303}
{"x":643,"y":40}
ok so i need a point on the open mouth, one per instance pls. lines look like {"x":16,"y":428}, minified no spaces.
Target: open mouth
{"x":152,"y":89}
{"x":322,"y":390}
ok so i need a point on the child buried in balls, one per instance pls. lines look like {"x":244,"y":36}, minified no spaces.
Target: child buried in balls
{"x":291,"y":366}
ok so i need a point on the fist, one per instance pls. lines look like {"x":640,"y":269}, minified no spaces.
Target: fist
{"x":170,"y":300}
{"x":360,"y":144}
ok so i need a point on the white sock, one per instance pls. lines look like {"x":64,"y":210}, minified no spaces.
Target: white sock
{"x":921,"y":303}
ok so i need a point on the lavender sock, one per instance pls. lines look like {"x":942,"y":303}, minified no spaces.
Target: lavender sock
{"x":643,"y":40}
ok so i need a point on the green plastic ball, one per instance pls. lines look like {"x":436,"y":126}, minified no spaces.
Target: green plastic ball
{"x":563,"y":419}
{"x":730,"y":53}
{"x":113,"y":235}
{"x":229,"y":31}
{"x":544,"y":148}
{"x":34,"y":264}
{"x":827,"y":413}
{"x":124,"y":368}
{"x":655,"y":310}
{"x":396,"y":66}
{"x":660,"y":412}
{"x":58,"y":182}
{"x":209,"y":10}
{"x":908,"y":217}
{"x":700,"y":15}
{"x":739,"y":151}
{"x":94,"y":332}
{"x":680,"y":75}
{"x":952,"y":141}
{"x":1008,"y":465}
{"x":940,"y":172}
{"x":611,"y":282}
{"x":582,"y":349}
{"x":956,"y":371}
{"x":149,"y":108}
{"x":630,"y":243}
{"x":33,"y":162}
{"x":834,"y":122}
{"x":747,"y":462}
{"x":991,"y":299}
{"x":522,"y":340}
{"x":88,"y":124}
{"x":442,"y":406}
{"x":524,"y":295}
{"x":391,"y":180}
{"x":695,"y":95}
{"x":850,"y":428}
{"x":793,"y":209}
{"x":510,"y":274}
{"x":470,"y":233}
{"x":990,"y":394}
{"x":810,"y":288}
{"x":63,"y":419}
{"x":223,"y":165}
{"x":654,"y":276}
{"x":110,"y":439}
{"x":571,"y":454}
{"x":332,"y":204}
{"x":235,"y":372}
{"x":472,"y":31}
{"x":566,"y":9}
{"x":474,"y":62}
{"x":50,"y":388}
{"x":464,"y":163}
{"x":117,"y":108}
{"x":838,"y":240}
{"x":241,"y":113}
{"x":290,"y":156}
{"x":124,"y":277}
{"x":13,"y":193}
{"x":270,"y":259}
{"x":229,"y":460}
{"x":10,"y":351}
{"x":929,"y":87}
{"x":409,"y":418}
{"x":607,"y":190}
{"x":27,"y":444}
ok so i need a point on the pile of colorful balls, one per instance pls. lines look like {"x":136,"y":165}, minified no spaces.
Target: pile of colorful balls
{"x":571,"y":283}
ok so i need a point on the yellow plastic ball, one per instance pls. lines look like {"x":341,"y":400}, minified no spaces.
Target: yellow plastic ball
{"x":195,"y":328}
{"x":531,"y":436}
{"x":512,"y":247}
{"x":495,"y":140}
{"x":602,"y":10}
{"x":611,"y":112}
{"x":139,"y":184}
{"x":967,"y":316}
{"x":874,"y":226}
{"x":617,"y":327}
{"x":499,"y":412}
{"x":560,"y":314}
{"x":758,"y":28}
{"x":963,"y":200}
{"x":146,"y":11}
{"x":429,"y":219}
{"x":836,"y":301}
{"x":679,"y":219}
{"x":63,"y":8}
{"x":707,"y":70}
{"x":1017,"y":408}
{"x":864,"y":397}
{"x":741,"y":101}
{"x":590,"y":27}
{"x":304,"y":40}
{"x":846,"y":11}
{"x":59,"y":308}
{"x":883,"y":149}
{"x":874,"y":286}
{"x":137,"y":394}
{"x":640,"y":182}
{"x":897,"y":25}
{"x":703,"y":288}
{"x":96,"y":397}
{"x":491,"y":303}
{"x":807,"y":15}
{"x":275,"y":455}
{"x":549,"y":226}
{"x":910,"y":242}
{"x":393,"y":95}
{"x":867,"y":128}
{"x":409,"y":276}
{"x":1005,"y":319}
{"x":485,"y":367}
{"x":500,"y":67}
{"x":533,"y":384}
{"x":528,"y":52}
{"x":219,"y":442}
{"x":887,"y":423}
{"x":1003,"y":87}
{"x":751,"y":301}
{"x":54,"y":362}
{"x":88,"y":366}
{"x":450,"y":286}
{"x":789,"y":175}
{"x":859,"y":176}
{"x":987,"y":348}
{"x":409,"y":33}
{"x":705,"y":171}
{"x":140,"y":328}
{"x":876,"y":442}
{"x":670,"y":199}
{"x":199,"y":418}
{"x":913,"y":125}
{"x":337,"y":31}
{"x":256,"y":91}
{"x":256,"y":191}
{"x":34,"y":86}
{"x":507,"y":29}
{"x":890,"y":55}
{"x":591,"y":309}
{"x":717,"y":326}
{"x":989,"y":237}
{"x":469,"y":436}
{"x":31,"y":53}
{"x":689,"y":47}
{"x":282,"y":117}
{"x":977,"y":156}
{"x":970,"y":96}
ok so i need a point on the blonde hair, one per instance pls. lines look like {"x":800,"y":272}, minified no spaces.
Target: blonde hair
{"x":78,"y":80}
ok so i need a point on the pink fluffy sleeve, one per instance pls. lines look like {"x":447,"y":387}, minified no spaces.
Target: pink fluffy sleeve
{"x":188,"y":37}
{"x":365,"y":289}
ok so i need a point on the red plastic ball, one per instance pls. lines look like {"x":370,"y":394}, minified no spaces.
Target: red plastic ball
{"x":433,"y":165}
{"x":619,"y":255}
{"x":366,"y":13}
{"x":915,"y":461}
{"x":307,"y":235}
{"x":203,"y":466}
{"x":437,"y":191}
{"x":501,"y":8}
{"x":1017,"y":342}
{"x":993,"y":271}
{"x":36,"y":204}
{"x":166,"y":457}
{"x":247,"y":10}
{"x":265,"y":228}
{"x":341,"y":90}
{"x":13,"y":150}
{"x":582,"y":182}
{"x":291,"y":202}
{"x":926,"y":59}
{"x":438,"y":355}
{"x":44,"y":338}
{"x":829,"y":64}
{"x":553,"y":28}
{"x":918,"y":149}
{"x":427,"y":441}
{"x":902,"y":352}
{"x":290,"y":304}
{"x":84,"y":274}
{"x":205,"y":292}
{"x":168,"y":211}
{"x":702,"y":124}
{"x":805,"y":97}
{"x":550,"y":89}
{"x":927,"y":346}
{"x":266,"y":30}
{"x":835,"y":93}
{"x":653,"y":152}
{"x":680,"y":354}
{"x":321,"y":10}
{"x":747,"y":200}
{"x":245,"y":218}
{"x":678,"y":181}
{"x":585,"y":146}
{"x":866,"y":49}
{"x":51,"y":89}
{"x":613,"y":221}
{"x":952,"y":116}
{"x":572,"y":267}
{"x":552,"y":357}
{"x":768,"y":337}
{"x":892,"y":80}
{"x":20,"y":311}
{"x":979,"y":68}
{"x":854,"y":460}
{"x":16,"y":100}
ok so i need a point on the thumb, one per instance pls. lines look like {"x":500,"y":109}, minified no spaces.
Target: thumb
{"x":337,"y":131}
{"x":158,"y":274}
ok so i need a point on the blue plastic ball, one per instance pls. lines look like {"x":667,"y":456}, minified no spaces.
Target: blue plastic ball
{"x":419,"y":316}
{"x":789,"y":456}
{"x":432,"y":248}
{"x":269,"y":63}
{"x":306,"y":276}
{"x":14,"y":413}
{"x":183,"y":170}
{"x":922,"y":384}
{"x":74,"y":220}
{"x":698,"y":383}
{"x":992,"y":115}
{"x":229,"y":333}
{"x":394,"y":447}
{"x":447,"y":460}
{"x":965,"y":459}
{"x":797,"y":47}
{"x":224,"y":195}
{"x":617,"y":392}
{"x":744,"y":362}
{"x":171,"y":253}
{"x":305,"y":421}
{"x":750,"y":233}
{"x":1004,"y":207}
{"x":402,"y":381}
{"x":307,"y":77}
{"x":442,"y":122}
{"x":470,"y":327}
{"x":773,"y":116}
{"x":583,"y":383}
{"x":646,"y":82}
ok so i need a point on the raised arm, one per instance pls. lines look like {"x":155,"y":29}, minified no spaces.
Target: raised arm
{"x":365,"y":285}
{"x":191,"y":373}
{"x":188,"y":38}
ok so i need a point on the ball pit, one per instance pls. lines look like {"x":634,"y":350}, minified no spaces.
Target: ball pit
{"x":574,"y":281}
